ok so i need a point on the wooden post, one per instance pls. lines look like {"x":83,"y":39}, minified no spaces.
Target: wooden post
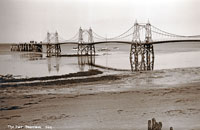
{"x":160,"y":125}
{"x":149,"y":125}
{"x":153,"y":125}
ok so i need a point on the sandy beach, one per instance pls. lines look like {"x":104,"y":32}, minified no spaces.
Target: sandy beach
{"x":127,"y":101}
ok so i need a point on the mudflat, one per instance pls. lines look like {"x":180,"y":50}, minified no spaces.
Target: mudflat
{"x":126,"y":102}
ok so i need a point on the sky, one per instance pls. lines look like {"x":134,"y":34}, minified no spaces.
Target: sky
{"x":25,"y":20}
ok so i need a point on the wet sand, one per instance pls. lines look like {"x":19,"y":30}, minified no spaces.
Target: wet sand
{"x":126,"y":102}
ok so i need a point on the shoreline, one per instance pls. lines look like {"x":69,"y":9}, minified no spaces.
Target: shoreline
{"x":93,"y":75}
{"x":71,"y":78}
{"x":171,"y":96}
{"x":9,"y":78}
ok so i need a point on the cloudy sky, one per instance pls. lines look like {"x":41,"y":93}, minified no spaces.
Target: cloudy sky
{"x":25,"y":20}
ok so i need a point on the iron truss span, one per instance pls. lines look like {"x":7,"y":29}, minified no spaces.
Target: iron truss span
{"x":172,"y":41}
{"x":128,"y":42}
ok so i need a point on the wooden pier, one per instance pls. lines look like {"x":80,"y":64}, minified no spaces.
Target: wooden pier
{"x":32,"y":47}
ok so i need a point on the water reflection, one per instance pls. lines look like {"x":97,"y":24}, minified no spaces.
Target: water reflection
{"x":86,"y":60}
{"x":53,"y":64}
{"x":31,"y":56}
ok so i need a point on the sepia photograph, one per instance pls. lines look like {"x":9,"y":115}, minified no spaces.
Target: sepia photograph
{"x":99,"y":65}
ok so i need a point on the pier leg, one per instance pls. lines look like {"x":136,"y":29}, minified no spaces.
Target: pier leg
{"x":86,"y":50}
{"x":53,"y":50}
{"x":91,"y":50}
{"x":82,"y":49}
{"x":141,"y":57}
{"x":137,"y":57}
{"x":149,"y":56}
{"x":133,"y":58}
{"x":18,"y":47}
{"x":49,"y":50}
{"x":57,"y":49}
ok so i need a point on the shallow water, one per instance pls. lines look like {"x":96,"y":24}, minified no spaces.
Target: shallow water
{"x":31,"y":64}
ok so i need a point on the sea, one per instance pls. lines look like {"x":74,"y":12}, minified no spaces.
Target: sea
{"x":115,"y":55}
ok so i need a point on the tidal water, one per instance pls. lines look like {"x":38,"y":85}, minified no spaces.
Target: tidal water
{"x":35,"y":64}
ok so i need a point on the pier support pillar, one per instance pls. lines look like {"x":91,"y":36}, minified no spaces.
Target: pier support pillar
{"x":149,"y":56}
{"x":57,"y":49}
{"x":141,"y":57}
{"x":53,"y":49}
{"x":87,"y":50}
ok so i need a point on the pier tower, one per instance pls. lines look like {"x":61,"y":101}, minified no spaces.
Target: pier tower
{"x":85,"y":47}
{"x":142,"y":53}
{"x":53,"y":46}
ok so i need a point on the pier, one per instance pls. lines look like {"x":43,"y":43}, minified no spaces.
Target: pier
{"x":32,"y":46}
{"x":140,"y":37}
